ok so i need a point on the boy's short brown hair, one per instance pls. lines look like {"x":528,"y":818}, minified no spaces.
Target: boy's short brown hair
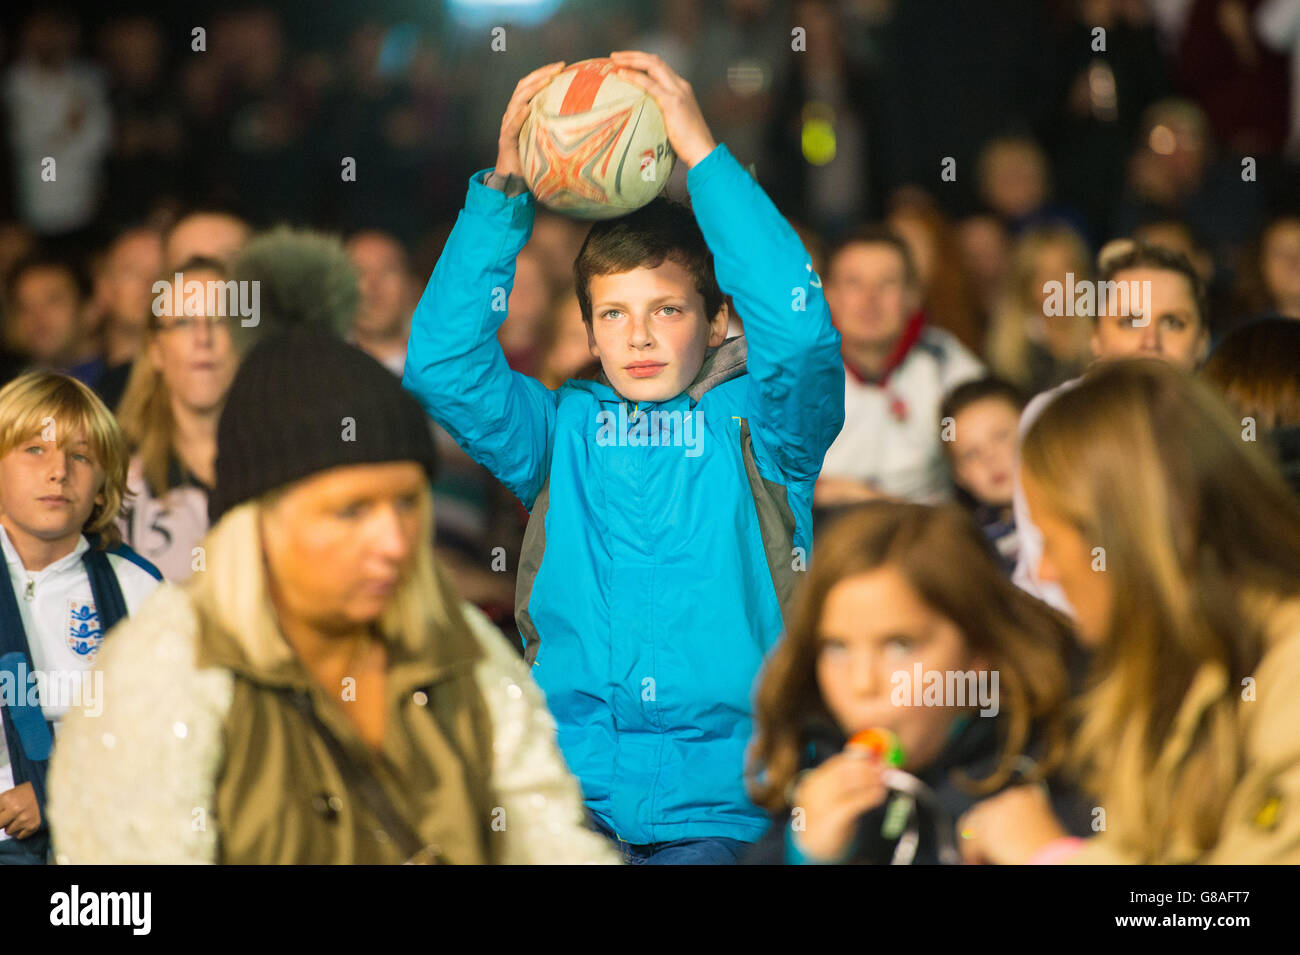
{"x":658,"y":231}
{"x":38,"y":399}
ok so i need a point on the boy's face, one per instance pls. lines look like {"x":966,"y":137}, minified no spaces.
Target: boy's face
{"x":984,"y":450}
{"x":649,"y":330}
{"x":49,"y":488}
{"x":875,"y":625}
{"x":47,"y":314}
{"x":1172,"y":332}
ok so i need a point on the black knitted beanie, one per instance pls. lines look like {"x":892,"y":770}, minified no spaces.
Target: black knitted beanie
{"x":304,"y":401}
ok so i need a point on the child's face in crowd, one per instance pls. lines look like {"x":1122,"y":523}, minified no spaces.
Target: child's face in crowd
{"x":339,"y":543}
{"x":984,"y":450}
{"x":868,"y":294}
{"x":1068,"y":561}
{"x":874,"y":625}
{"x":196,"y":359}
{"x":47,"y":314}
{"x":1173,"y":332}
{"x":649,"y":330}
{"x":49,"y":488}
{"x":1280,"y":263}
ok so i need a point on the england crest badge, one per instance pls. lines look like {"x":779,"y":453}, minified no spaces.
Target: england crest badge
{"x":84,"y":633}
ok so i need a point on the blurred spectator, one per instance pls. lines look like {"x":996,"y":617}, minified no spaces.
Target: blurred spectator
{"x":1239,"y":82}
{"x":262,"y":132}
{"x":946,"y":293}
{"x":169,"y":415}
{"x":529,"y":297}
{"x":1100,"y":96}
{"x":675,"y":36}
{"x":1257,"y":368}
{"x":149,"y":139}
{"x":124,"y":294}
{"x":979,"y":421}
{"x":821,"y":126}
{"x":741,"y":66}
{"x":1027,"y":346}
{"x":985,"y":255}
{"x":391,"y":116}
{"x":556,"y":240}
{"x":204,"y":234}
{"x":1277,"y":23}
{"x":899,"y":368}
{"x":936,"y":105}
{"x":1271,"y":280}
{"x":57,"y":109}
{"x":49,"y":318}
{"x":388,"y":296}
{"x":1172,"y":173}
{"x":563,"y":342}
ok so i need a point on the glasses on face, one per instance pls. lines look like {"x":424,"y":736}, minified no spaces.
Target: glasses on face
{"x":186,"y":323}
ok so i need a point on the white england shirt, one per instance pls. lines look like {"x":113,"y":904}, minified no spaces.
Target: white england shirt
{"x":62,"y":626}
{"x":891,"y":433}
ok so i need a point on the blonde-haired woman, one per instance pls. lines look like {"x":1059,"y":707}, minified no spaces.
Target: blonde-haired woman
{"x":317,"y":694}
{"x":1178,"y":544}
{"x":1026,"y":345}
{"x":169,"y":414}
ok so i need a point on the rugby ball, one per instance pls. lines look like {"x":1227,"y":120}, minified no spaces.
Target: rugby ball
{"x":594,"y":146}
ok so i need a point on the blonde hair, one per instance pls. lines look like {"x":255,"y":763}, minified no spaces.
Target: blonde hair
{"x":233,"y":591}
{"x":1203,"y":533}
{"x":1018,"y":305}
{"x":33,"y":402}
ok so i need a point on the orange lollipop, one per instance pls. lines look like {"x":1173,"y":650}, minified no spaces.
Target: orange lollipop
{"x":882,"y":744}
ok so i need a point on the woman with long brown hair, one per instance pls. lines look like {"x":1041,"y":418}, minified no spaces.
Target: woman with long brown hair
{"x":1178,"y":544}
{"x":897,"y":594}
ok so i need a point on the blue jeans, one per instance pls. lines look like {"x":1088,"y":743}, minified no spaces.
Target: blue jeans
{"x":713,"y":850}
{"x":23,"y":851}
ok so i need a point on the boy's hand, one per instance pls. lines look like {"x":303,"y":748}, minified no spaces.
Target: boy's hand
{"x":508,"y":161}
{"x":688,"y":133}
{"x":832,"y":797}
{"x":20,"y":813}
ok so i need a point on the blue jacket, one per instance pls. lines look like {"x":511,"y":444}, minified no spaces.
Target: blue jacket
{"x":653,"y":579}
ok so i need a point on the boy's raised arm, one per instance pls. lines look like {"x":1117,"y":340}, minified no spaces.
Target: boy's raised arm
{"x":793,"y":350}
{"x":793,"y":354}
{"x":454,"y":363}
